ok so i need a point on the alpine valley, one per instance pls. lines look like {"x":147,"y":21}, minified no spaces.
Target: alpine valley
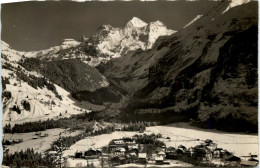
{"x":204,"y":73}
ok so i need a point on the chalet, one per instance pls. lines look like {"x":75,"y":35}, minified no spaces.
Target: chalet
{"x":130,"y":142}
{"x":208,"y":141}
{"x":78,"y":154}
{"x":159,"y":160}
{"x":203,"y":152}
{"x":170,"y":149}
{"x":114,"y":144}
{"x":182,"y":147}
{"x":171,"y":153}
{"x":179,"y":151}
{"x":161,"y":154}
{"x":142,"y":158}
{"x":92,"y":152}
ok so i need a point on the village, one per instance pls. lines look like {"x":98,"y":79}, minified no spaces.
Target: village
{"x":146,"y":150}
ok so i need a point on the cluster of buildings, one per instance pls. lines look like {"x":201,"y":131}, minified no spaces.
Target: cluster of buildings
{"x":88,"y":154}
{"x":127,"y":150}
{"x":123,"y":151}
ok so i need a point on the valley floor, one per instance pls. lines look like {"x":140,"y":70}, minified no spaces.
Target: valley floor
{"x":240,"y":144}
{"x":41,"y":144}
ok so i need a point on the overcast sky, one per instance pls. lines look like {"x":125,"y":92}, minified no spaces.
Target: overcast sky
{"x":30,"y":26}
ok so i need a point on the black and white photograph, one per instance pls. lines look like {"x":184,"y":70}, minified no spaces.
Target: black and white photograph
{"x":129,"y":84}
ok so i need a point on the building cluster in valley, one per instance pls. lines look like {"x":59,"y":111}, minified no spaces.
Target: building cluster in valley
{"x":127,"y":150}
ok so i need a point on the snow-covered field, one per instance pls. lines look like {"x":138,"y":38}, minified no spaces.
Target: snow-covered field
{"x":73,"y":162}
{"x":180,"y":134}
{"x":39,"y":145}
{"x":96,"y":142}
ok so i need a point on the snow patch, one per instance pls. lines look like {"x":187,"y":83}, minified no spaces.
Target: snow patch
{"x":193,"y":20}
{"x":234,"y":3}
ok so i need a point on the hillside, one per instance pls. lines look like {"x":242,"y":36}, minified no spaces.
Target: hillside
{"x":207,"y":71}
{"x":29,"y":96}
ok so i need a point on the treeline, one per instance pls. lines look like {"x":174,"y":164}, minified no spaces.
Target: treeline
{"x":72,"y":123}
{"x":150,"y":143}
{"x":85,"y":125}
{"x":27,"y":158}
{"x":150,"y":139}
{"x":137,"y":126}
{"x":70,"y":140}
{"x":229,"y":123}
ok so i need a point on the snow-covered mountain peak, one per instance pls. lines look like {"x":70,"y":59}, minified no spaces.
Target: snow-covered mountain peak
{"x":234,"y":3}
{"x":136,"y":22}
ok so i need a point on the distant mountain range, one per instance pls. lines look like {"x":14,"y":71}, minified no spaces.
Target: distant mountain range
{"x":108,"y":42}
{"x":205,"y":73}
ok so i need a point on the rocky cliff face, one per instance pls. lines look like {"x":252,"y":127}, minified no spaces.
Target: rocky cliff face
{"x":206,"y":71}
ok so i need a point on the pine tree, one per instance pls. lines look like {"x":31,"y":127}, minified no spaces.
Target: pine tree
{"x":59,"y":147}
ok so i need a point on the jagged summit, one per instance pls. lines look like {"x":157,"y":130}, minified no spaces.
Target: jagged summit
{"x":136,"y":22}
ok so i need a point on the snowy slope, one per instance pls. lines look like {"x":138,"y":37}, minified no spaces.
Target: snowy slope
{"x":193,"y":20}
{"x":44,"y":103}
{"x":53,"y":52}
{"x":157,"y":29}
